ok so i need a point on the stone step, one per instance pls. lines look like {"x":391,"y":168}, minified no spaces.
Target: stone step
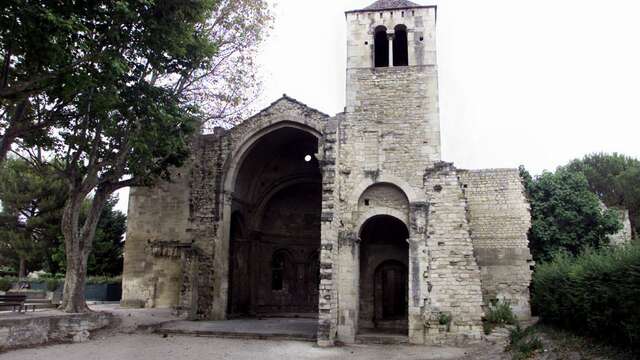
{"x":236,"y":335}
{"x":251,"y":329}
{"x":383,"y":339}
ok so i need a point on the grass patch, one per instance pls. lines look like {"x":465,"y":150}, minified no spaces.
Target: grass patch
{"x":589,"y":348}
{"x":523,"y":343}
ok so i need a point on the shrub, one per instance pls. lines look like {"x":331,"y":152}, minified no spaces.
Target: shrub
{"x":52,"y":284}
{"x":5,"y":284}
{"x":498,"y":314}
{"x":104,"y":280}
{"x":445,"y":319}
{"x":596,"y":293}
{"x":523,"y":343}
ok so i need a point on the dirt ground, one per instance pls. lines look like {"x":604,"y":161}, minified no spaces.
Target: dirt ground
{"x":152,"y":346}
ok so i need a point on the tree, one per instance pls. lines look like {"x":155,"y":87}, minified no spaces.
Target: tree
{"x":30,"y":218}
{"x":47,"y":46}
{"x":615,"y":178}
{"x":131,"y":119}
{"x":105,"y":258}
{"x":565,"y":214}
{"x":41,"y":43}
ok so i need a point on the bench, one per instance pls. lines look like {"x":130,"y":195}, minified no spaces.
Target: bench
{"x":15,"y":301}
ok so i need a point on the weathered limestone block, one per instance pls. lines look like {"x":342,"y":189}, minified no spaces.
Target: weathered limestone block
{"x":499,"y":222}
{"x":453,"y":276}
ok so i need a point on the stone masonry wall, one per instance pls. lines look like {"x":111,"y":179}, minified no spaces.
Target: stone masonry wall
{"x":160,"y":213}
{"x":453,"y":276}
{"x":27,"y":330}
{"x":195,"y":209}
{"x":624,"y":235}
{"x":499,"y":219}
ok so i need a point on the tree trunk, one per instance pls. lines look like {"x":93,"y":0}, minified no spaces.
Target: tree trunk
{"x":13,"y":131}
{"x":22,"y":273}
{"x":78,"y":242}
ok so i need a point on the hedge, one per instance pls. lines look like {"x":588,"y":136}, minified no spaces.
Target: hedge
{"x":53,"y":282}
{"x":596,"y":293}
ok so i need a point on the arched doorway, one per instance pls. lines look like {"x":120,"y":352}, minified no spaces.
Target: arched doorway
{"x":278,"y":195}
{"x":384,"y":255}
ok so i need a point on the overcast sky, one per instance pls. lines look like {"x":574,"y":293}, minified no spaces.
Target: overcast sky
{"x":536,"y":83}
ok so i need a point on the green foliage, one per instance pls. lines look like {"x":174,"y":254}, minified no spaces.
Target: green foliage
{"x":117,"y":93}
{"x":30,"y":223}
{"x":106,"y":257}
{"x":523,"y":343}
{"x":30,"y":217}
{"x":565,"y":214}
{"x":52,"y":284}
{"x":104,"y":280}
{"x":5,"y":284}
{"x":615,"y":178}
{"x":444,"y":319}
{"x":596,"y":293}
{"x":499,"y":313}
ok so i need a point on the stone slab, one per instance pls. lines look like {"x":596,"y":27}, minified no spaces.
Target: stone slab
{"x":272,"y":328}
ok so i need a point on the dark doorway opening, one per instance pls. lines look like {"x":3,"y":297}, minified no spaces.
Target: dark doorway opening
{"x":274,"y":267}
{"x":384,"y":255}
{"x":390,"y":286}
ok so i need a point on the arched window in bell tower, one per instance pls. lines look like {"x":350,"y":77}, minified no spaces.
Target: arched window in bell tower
{"x":400,"y":46}
{"x":381,"y":47}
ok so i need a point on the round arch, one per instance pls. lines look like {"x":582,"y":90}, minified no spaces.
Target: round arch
{"x":233,"y":164}
{"x":381,"y":211}
{"x":409,"y":191}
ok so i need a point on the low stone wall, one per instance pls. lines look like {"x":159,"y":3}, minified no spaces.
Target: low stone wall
{"x":22,"y":330}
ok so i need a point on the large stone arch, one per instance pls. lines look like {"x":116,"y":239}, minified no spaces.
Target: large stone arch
{"x":248,"y":140}
{"x":243,"y":139}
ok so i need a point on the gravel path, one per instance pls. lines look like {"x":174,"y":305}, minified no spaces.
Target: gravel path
{"x":150,"y":346}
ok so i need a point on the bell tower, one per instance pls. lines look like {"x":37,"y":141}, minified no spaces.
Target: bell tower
{"x":392,"y":88}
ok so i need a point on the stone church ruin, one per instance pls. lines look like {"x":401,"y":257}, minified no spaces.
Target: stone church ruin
{"x":353,"y":219}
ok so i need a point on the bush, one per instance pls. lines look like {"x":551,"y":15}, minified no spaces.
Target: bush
{"x":445,"y":320}
{"x":6,"y":284}
{"x":523,"y":343}
{"x":99,"y":280}
{"x":596,"y":293}
{"x":498,"y":314}
{"x":52,"y":284}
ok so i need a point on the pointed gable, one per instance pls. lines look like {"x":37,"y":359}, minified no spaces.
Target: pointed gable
{"x":286,"y":102}
{"x":390,"y":4}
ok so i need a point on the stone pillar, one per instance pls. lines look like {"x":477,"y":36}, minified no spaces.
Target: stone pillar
{"x":327,"y":294}
{"x":348,"y":286}
{"x":418,"y":267}
{"x":390,"y":50}
{"x":221,"y":263}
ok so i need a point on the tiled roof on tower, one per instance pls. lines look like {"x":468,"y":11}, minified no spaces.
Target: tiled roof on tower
{"x":391,"y":4}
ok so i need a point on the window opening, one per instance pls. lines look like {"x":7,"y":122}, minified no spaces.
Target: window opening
{"x":400,"y":46}
{"x":381,"y":51}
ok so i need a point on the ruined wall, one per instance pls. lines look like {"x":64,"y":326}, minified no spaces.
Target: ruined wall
{"x":155,"y":214}
{"x":195,"y":210}
{"x":499,"y":220}
{"x":27,"y":331}
{"x":452,"y":276}
{"x":624,"y":235}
